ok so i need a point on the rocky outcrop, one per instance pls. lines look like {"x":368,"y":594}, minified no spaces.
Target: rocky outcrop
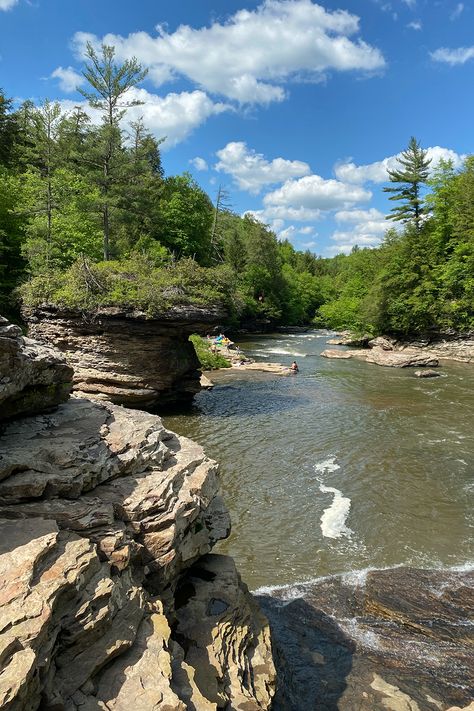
{"x":382,"y":356}
{"x":458,"y":347}
{"x":33,"y":377}
{"x":400,"y":639}
{"x":126,"y":356}
{"x":109,"y":597}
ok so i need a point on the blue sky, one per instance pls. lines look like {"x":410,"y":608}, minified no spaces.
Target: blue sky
{"x":296,"y":108}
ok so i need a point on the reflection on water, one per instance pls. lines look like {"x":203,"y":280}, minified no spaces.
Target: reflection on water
{"x":343,"y":466}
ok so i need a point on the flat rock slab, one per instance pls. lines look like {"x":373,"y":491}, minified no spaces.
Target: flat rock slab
{"x":380,"y":356}
{"x":400,"y":639}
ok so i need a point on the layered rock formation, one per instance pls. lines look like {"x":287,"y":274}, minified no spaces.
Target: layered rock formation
{"x":125,"y":356}
{"x":33,"y":377}
{"x":109,"y":598}
{"x":400,"y":639}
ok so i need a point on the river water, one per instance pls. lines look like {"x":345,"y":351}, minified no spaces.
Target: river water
{"x":341,"y":467}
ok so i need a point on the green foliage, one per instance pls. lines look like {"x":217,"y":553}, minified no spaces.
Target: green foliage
{"x":208,"y":359}
{"x":132,"y":283}
{"x":410,"y":176}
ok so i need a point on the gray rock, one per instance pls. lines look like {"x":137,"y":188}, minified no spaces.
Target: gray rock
{"x":427,"y":373}
{"x":379,"y":356}
{"x":33,"y":377}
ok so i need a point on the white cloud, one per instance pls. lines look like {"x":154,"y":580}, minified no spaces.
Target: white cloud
{"x":369,"y":226}
{"x":315,"y":193}
{"x":461,"y":55}
{"x":174,"y":115}
{"x":8,"y":4}
{"x":69,"y":79}
{"x":457,"y":12}
{"x":411,"y":3}
{"x":199,"y":163}
{"x":250,"y":56}
{"x":251,"y":171}
{"x":306,"y":230}
{"x":278,"y":212}
{"x":415,"y":25}
{"x":359,"y":216}
{"x":377,"y":172}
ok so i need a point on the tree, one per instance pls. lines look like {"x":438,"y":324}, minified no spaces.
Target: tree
{"x":110,"y":83}
{"x":410,"y":176}
{"x":8,"y":129}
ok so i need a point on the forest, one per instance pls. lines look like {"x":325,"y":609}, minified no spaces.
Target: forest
{"x":88,"y":218}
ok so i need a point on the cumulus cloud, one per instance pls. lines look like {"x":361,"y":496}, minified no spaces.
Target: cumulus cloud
{"x":294,"y":214}
{"x":199,"y":163}
{"x":251,"y":171}
{"x":313,"y":192}
{"x":7,"y":4}
{"x":415,"y":25}
{"x":250,"y":56}
{"x":365,"y":228}
{"x":378,"y":172}
{"x":461,"y":55}
{"x":174,"y":115}
{"x":68,"y":78}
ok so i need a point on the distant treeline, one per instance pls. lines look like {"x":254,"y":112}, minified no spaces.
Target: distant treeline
{"x":88,"y":218}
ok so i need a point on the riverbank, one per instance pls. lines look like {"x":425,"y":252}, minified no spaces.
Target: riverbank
{"x":384,"y":349}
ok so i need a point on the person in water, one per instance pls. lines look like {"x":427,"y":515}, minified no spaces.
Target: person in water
{"x":294,"y":367}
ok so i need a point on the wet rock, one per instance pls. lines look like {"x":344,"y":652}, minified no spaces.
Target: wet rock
{"x":379,"y":356}
{"x":33,"y":377}
{"x":400,"y":639}
{"x":125,"y":356}
{"x":427,"y":373}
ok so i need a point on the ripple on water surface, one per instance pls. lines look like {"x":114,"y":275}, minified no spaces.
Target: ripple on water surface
{"x":344,"y":466}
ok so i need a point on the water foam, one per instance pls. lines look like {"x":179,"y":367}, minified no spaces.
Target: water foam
{"x":333,"y":520}
{"x":284,"y":351}
{"x":328,"y":465}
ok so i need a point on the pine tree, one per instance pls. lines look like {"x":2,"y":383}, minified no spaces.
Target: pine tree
{"x":110,"y":82}
{"x":410,"y":176}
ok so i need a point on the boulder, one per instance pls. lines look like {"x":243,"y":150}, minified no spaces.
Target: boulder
{"x":400,"y":639}
{"x":33,"y":377}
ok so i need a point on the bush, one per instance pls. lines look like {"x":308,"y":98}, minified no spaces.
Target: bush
{"x":132,"y":283}
{"x":208,"y":360}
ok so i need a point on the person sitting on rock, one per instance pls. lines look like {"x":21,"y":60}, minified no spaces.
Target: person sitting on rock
{"x":294,"y":367}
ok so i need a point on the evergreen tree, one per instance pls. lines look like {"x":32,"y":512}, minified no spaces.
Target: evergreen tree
{"x":109,"y":84}
{"x":411,"y":175}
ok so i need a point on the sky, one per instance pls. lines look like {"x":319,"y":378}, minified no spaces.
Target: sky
{"x":296,"y":108}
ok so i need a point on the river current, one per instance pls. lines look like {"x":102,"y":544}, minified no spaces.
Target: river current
{"x":341,"y":467}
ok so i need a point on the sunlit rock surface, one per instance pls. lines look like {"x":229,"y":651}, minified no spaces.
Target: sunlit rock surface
{"x":103,"y":516}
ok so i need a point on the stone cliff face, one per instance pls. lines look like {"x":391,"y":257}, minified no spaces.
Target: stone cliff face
{"x":109,"y":596}
{"x":126,"y":357}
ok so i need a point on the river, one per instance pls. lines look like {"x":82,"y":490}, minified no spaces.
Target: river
{"x":341,"y":467}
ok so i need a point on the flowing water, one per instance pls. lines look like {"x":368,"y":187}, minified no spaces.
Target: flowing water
{"x":340,"y":467}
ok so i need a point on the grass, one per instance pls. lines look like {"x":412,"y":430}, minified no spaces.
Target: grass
{"x":208,"y":359}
